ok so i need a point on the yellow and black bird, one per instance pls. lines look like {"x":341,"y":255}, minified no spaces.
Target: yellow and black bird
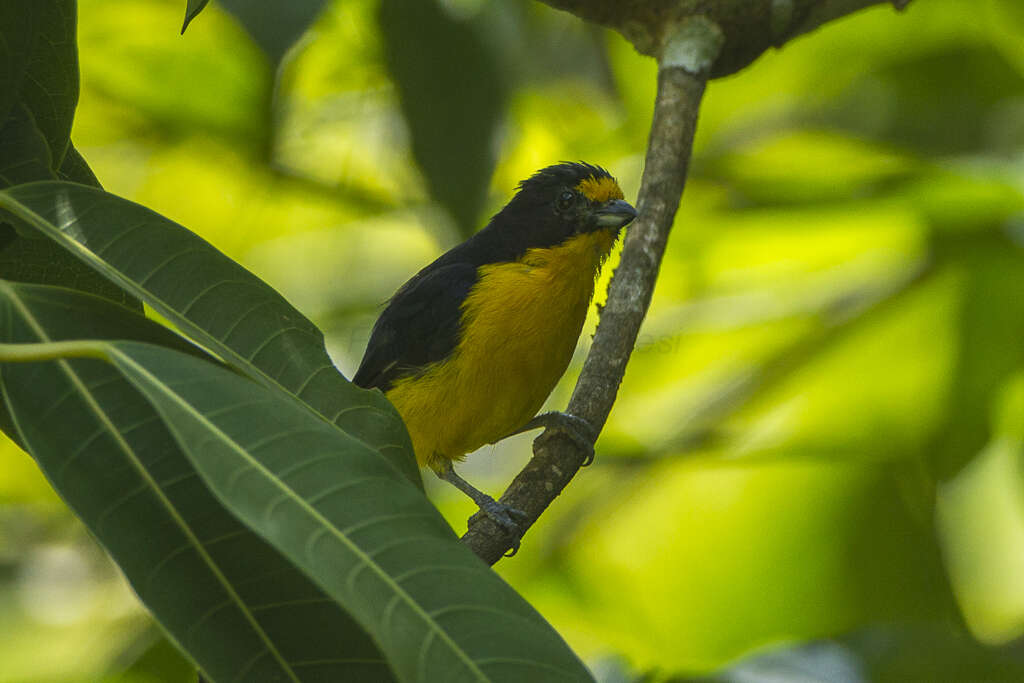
{"x":470,"y":347}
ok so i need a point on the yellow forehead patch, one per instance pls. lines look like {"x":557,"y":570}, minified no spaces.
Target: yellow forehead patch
{"x":600,"y":189}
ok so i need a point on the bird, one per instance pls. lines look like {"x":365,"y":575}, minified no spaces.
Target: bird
{"x":470,"y":347}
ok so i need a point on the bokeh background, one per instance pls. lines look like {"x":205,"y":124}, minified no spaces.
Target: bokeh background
{"x":814,"y":470}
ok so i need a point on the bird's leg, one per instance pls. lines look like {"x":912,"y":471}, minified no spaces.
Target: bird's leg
{"x":505,"y":516}
{"x":576,"y":428}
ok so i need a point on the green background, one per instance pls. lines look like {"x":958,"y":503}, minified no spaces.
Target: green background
{"x":820,"y":433}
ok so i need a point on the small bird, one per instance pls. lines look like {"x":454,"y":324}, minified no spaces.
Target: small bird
{"x":470,"y":347}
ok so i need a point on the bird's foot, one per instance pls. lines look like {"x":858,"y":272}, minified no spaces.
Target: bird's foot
{"x":576,"y":428}
{"x":505,"y":516}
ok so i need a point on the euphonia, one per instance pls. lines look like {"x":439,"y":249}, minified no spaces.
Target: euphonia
{"x":470,"y":347}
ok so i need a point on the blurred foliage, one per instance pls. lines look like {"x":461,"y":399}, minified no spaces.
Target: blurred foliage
{"x":881,"y":655}
{"x":452,"y":98}
{"x":821,"y":430}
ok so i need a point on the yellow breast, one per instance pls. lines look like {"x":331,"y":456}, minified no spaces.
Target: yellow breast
{"x":520,"y":325}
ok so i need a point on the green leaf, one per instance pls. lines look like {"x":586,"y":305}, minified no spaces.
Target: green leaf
{"x":76,"y":170}
{"x":192,"y":10}
{"x":24,"y":153}
{"x":213,"y":300}
{"x":239,"y":608}
{"x":989,"y":352}
{"x":38,"y":88}
{"x":275,"y":26}
{"x":38,"y":94}
{"x":151,"y":658}
{"x":338,"y":509}
{"x":452,"y":98}
{"x":17,"y":29}
{"x":50,"y":89}
{"x":41,"y":261}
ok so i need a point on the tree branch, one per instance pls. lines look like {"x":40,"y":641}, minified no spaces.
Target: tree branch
{"x":749,"y":26}
{"x":693,"y":40}
{"x":689,"y":51}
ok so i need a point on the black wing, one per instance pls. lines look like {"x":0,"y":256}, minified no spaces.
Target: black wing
{"x":419,"y":326}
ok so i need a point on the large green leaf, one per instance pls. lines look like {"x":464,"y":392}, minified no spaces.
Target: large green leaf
{"x":24,"y":152}
{"x":50,"y":86}
{"x":365,"y":534}
{"x":40,"y":261}
{"x":213,"y":300}
{"x":76,"y":170}
{"x":17,"y":28}
{"x":38,"y":88}
{"x":38,"y":95}
{"x":239,"y":608}
{"x":452,"y":98}
{"x":340,"y":511}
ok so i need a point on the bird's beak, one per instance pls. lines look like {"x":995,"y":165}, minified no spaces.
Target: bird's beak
{"x":615,"y":213}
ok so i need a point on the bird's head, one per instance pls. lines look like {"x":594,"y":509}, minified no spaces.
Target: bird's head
{"x":561,"y":201}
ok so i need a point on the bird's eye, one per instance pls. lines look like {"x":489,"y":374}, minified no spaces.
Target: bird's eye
{"x":565,"y":200}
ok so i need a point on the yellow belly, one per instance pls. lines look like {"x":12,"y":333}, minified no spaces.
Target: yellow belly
{"x":520,"y":326}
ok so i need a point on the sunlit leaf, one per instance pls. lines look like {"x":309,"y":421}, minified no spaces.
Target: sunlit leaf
{"x":980,"y":517}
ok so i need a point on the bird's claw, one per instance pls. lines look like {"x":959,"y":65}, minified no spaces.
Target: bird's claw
{"x":506,"y":517}
{"x":573,"y":426}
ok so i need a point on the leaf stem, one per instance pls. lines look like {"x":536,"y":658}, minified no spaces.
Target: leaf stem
{"x":33,"y":353}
